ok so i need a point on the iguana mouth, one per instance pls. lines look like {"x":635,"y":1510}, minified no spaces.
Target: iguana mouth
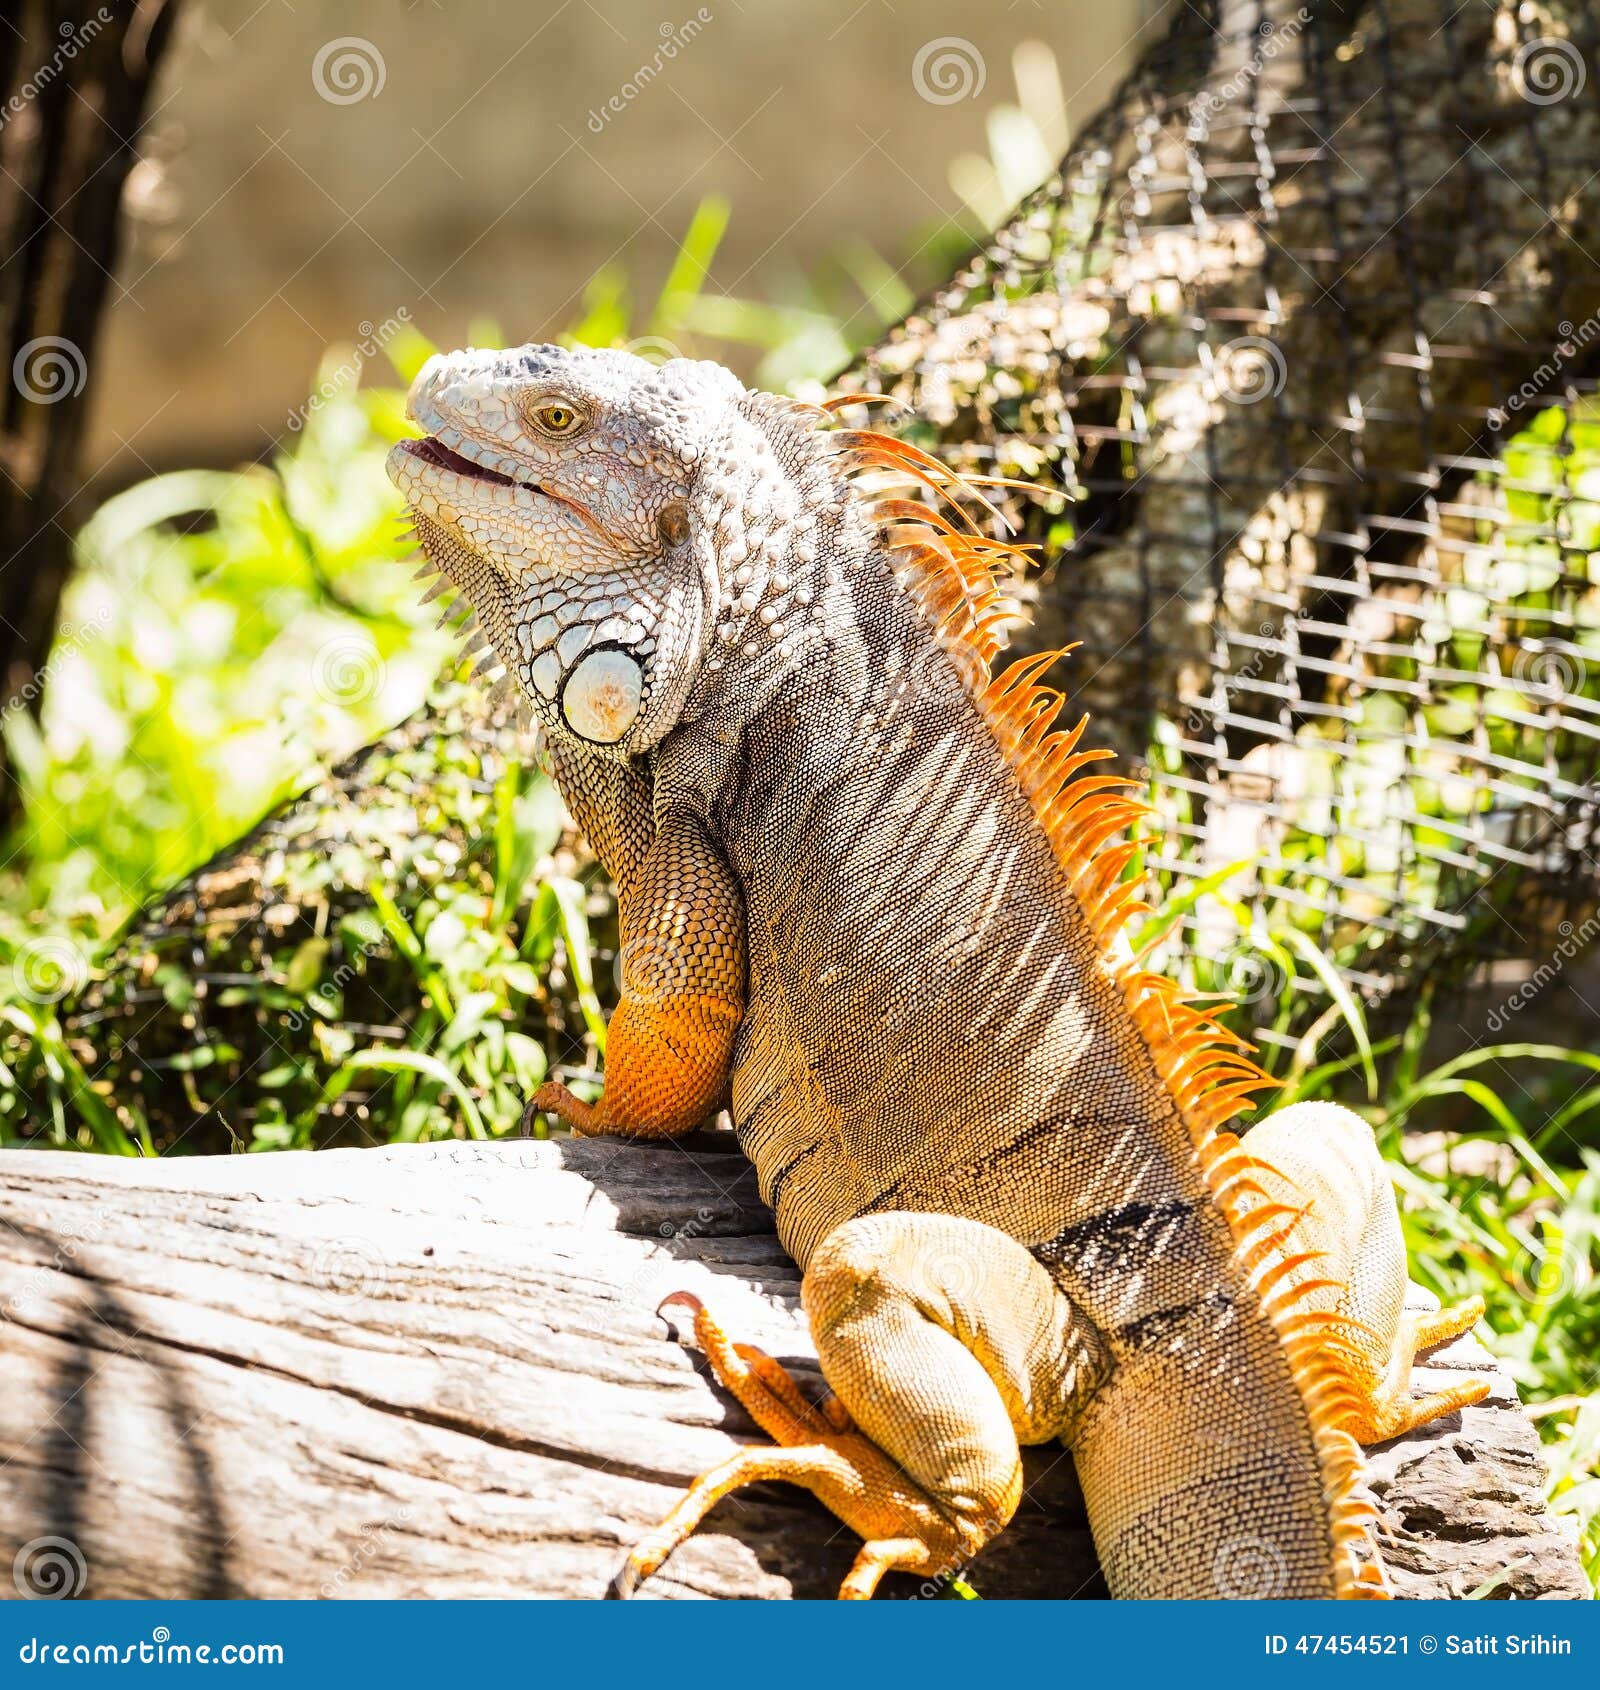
{"x":431,"y":450}
{"x":435,"y":452}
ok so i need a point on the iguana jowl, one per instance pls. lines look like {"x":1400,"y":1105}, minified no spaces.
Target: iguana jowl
{"x":870,"y":897}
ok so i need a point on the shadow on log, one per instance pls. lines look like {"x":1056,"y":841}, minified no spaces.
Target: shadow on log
{"x":437,"y":1371}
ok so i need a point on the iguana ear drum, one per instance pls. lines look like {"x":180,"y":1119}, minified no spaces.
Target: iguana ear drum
{"x":673,"y":523}
{"x":603,"y":694}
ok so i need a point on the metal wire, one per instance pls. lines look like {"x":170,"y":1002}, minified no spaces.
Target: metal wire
{"x":1301,"y":334}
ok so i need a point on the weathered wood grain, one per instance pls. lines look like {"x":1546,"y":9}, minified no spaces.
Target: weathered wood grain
{"x":437,"y":1370}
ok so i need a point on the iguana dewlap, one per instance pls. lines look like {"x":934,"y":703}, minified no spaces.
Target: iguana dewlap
{"x":872,"y":899}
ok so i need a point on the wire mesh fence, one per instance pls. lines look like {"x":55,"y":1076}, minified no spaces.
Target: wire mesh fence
{"x":1300,"y":336}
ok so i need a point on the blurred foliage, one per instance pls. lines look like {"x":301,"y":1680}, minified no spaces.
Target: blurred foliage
{"x":428,"y":939}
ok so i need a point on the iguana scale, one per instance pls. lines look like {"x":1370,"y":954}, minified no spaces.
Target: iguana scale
{"x":875,"y":901}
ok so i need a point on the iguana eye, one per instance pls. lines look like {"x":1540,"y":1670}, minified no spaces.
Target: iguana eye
{"x":555,"y":417}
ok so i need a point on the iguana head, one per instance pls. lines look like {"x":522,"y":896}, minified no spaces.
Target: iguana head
{"x":614,"y":524}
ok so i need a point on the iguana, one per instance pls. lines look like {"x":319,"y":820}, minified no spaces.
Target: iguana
{"x":871,"y":899}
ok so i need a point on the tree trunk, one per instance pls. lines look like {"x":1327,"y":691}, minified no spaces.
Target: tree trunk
{"x":75,"y":76}
{"x":437,"y":1371}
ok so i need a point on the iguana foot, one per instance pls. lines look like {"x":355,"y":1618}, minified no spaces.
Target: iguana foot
{"x":553,"y":1098}
{"x":820,"y":1449}
{"x":1392,"y":1409}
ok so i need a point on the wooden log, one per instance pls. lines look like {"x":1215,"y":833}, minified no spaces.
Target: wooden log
{"x":438,"y":1371}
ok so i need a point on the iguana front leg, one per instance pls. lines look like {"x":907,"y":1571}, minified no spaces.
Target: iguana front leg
{"x":670,"y":1042}
{"x":947,"y":1346}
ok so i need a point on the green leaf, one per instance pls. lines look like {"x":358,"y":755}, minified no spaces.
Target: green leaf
{"x":407,"y":1061}
{"x":569,"y":898}
{"x":305,"y":966}
{"x":1354,"y":1017}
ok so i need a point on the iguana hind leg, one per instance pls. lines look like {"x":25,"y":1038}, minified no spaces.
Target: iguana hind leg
{"x":1323,"y":1161}
{"x":947,"y":1346}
